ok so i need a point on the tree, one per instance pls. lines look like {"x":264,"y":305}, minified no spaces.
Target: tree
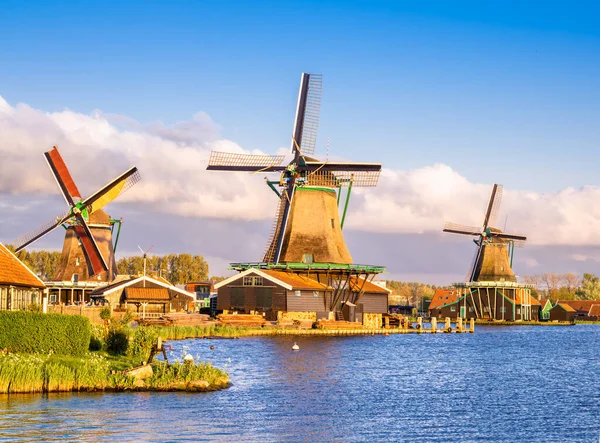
{"x":590,"y":288}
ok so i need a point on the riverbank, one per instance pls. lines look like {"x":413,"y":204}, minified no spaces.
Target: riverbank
{"x":36,"y":373}
{"x":523,"y":323}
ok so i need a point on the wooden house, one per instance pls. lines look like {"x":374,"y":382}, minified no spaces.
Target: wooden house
{"x":562,"y":312}
{"x":149,"y":297}
{"x":19,"y":286}
{"x":506,"y":301}
{"x":545,"y":306}
{"x":285,"y":296}
{"x":584,"y":309}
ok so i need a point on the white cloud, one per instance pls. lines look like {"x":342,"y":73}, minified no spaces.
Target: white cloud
{"x":172,"y":161}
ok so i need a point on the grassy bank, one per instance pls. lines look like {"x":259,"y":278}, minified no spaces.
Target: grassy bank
{"x":30,"y":373}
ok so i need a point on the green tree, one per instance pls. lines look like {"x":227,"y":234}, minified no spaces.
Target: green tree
{"x":590,"y":288}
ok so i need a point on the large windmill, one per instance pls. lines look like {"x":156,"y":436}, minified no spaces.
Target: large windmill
{"x":493,"y":256}
{"x":307,"y":226}
{"x":88,"y":227}
{"x":306,"y":237}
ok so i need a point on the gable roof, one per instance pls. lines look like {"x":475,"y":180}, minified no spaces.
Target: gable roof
{"x":14,"y":272}
{"x":444,"y":297}
{"x":120,"y":285}
{"x":564,"y":306}
{"x":367,"y":286}
{"x":288,"y":280}
{"x":595,"y":311}
{"x":580,"y":305}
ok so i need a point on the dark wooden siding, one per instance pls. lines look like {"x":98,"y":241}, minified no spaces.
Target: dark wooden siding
{"x":374,"y":303}
{"x":306,"y":302}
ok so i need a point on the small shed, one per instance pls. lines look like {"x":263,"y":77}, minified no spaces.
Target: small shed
{"x":149,"y":296}
{"x":19,"y":286}
{"x":562,"y":312}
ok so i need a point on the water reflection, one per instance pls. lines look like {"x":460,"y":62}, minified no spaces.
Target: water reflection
{"x":500,"y":384}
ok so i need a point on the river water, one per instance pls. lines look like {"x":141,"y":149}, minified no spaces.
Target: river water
{"x":499,"y":384}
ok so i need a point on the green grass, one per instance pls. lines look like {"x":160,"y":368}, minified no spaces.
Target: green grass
{"x":31,"y":373}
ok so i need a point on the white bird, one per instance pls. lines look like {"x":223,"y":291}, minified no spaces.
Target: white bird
{"x":295,"y":347}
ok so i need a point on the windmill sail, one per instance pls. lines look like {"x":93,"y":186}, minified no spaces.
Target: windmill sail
{"x":93,"y":256}
{"x":271,"y":246}
{"x":491,"y":214}
{"x":27,"y":239}
{"x":108,"y":193}
{"x":231,"y":161}
{"x":308,"y":111}
{"x":62,"y":176}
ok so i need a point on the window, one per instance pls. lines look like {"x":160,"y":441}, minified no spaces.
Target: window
{"x":452,"y":308}
{"x":253,"y":281}
{"x":332,"y":224}
{"x":77,"y":261}
{"x":470,"y":308}
{"x":518,"y":310}
{"x":297,"y":293}
{"x":316,"y":294}
{"x":503,"y":309}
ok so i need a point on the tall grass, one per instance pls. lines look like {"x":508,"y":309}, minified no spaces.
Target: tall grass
{"x":29,"y":373}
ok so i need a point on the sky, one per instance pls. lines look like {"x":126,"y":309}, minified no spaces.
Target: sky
{"x":450,"y":97}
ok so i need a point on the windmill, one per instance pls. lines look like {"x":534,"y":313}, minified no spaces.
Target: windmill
{"x":493,"y":256}
{"x":85,"y":221}
{"x":306,"y":227}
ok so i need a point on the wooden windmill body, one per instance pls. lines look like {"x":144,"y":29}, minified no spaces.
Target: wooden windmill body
{"x":306,"y":237}
{"x":491,"y":290}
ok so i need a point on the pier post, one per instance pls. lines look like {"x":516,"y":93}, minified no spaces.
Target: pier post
{"x":433,"y":325}
{"x":447,"y":327}
{"x":419,"y":324}
{"x":472,"y":325}
{"x":459,"y":325}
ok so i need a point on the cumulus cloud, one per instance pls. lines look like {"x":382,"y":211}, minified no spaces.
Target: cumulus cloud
{"x":172,"y":161}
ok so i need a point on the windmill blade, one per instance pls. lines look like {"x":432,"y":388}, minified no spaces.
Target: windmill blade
{"x":93,"y":256}
{"x":493,"y":207}
{"x":454,"y":228}
{"x":338,"y":167}
{"x":229,"y":161}
{"x":506,"y":236}
{"x":308,"y":110}
{"x":27,"y":239}
{"x":474,"y":263}
{"x":271,"y":247}
{"x":343,"y":178}
{"x":62,"y":176}
{"x":288,"y":194}
{"x":108,"y":193}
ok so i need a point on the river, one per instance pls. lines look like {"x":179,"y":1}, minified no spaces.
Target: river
{"x":512,"y":384}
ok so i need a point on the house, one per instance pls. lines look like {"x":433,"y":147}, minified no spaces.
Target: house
{"x":287,"y":295}
{"x":583,"y":309}
{"x":151,"y":297}
{"x":202,"y":291}
{"x":546,"y":305}
{"x":19,"y":286}
{"x":506,"y":301}
{"x":562,"y":312}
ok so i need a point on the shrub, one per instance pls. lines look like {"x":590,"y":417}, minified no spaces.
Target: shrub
{"x":35,"y":332}
{"x":143,"y":339}
{"x":34,"y":307}
{"x":117,"y":342}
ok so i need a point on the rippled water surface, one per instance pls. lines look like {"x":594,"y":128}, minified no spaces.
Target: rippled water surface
{"x":499,"y":384}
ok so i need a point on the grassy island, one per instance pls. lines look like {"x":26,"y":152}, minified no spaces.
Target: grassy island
{"x":61,"y":353}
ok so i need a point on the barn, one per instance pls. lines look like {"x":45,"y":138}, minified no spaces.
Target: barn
{"x":562,"y":312}
{"x":584,"y":309}
{"x":19,"y":286}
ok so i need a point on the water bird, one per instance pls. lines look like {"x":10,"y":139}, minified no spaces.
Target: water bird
{"x":212,"y":348}
{"x":295,"y":347}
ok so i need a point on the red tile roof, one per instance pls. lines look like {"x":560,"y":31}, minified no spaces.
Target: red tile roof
{"x":580,"y":305}
{"x":140,"y":294}
{"x":595,"y":311}
{"x":443,"y":297}
{"x":15,"y":272}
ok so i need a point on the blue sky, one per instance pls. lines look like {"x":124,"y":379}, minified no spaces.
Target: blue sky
{"x":500,"y":91}
{"x":490,"y":91}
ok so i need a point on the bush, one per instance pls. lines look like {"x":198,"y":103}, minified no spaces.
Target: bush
{"x":117,"y":342}
{"x":143,"y":339}
{"x":35,"y":332}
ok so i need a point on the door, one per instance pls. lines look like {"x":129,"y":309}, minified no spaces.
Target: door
{"x":463,"y":311}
